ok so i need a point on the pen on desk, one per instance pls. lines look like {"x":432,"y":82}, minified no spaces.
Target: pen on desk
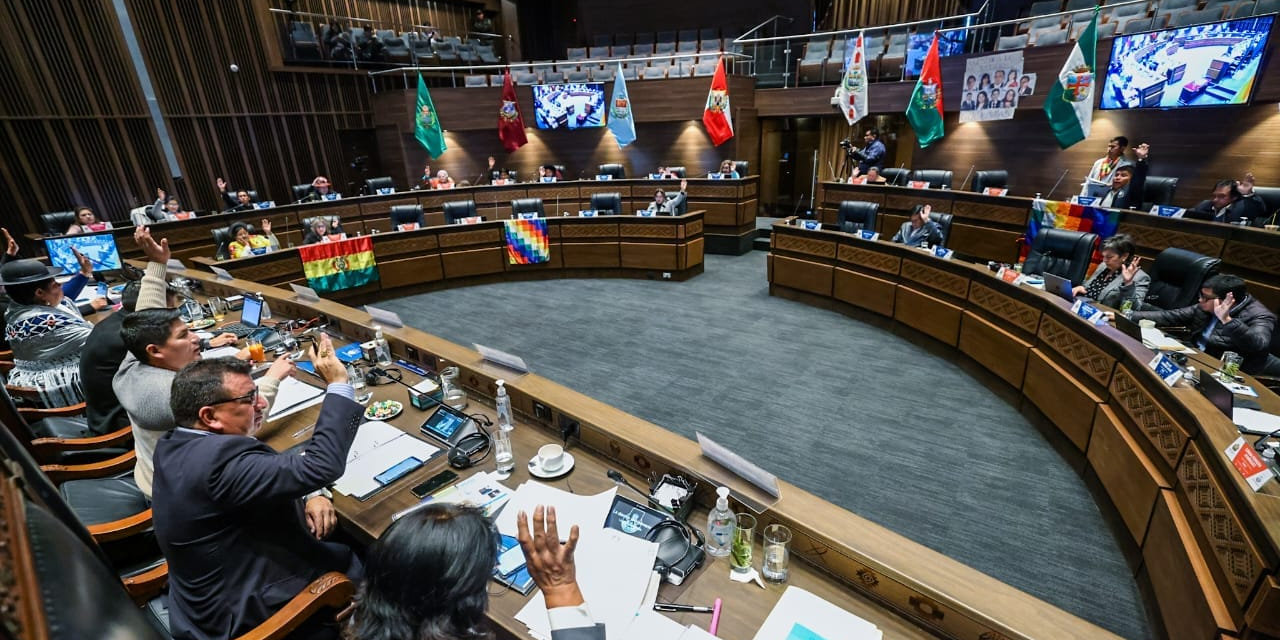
{"x":658,"y":606}
{"x":303,"y":431}
{"x":715,"y":617}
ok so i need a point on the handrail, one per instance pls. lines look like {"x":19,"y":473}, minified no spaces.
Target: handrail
{"x":466,"y":67}
{"x":740,"y":40}
{"x":1053,"y":15}
{"x":317,"y":15}
{"x":762,"y":24}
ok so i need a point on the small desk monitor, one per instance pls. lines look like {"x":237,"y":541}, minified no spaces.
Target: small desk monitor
{"x":100,"y":248}
{"x":1217,"y":393}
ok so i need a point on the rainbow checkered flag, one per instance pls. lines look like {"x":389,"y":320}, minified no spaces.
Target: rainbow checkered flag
{"x":527,"y":241}
{"x":1051,"y":214}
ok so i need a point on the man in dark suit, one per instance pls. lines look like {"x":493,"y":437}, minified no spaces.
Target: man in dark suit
{"x":228,"y":509}
{"x":1128,"y":182}
{"x":1227,"y":318}
{"x":1227,"y":205}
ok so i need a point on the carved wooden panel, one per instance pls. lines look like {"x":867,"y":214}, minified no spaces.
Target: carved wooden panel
{"x":589,"y":230}
{"x":1019,"y":314}
{"x":1157,"y":238}
{"x":1159,"y":429}
{"x":934,"y":278}
{"x":550,"y":192}
{"x":634,"y":230}
{"x":802,"y":244}
{"x":462,"y":238}
{"x":1078,"y":350}
{"x":1252,"y":256}
{"x":411,"y":244}
{"x":876,"y":260}
{"x":991,"y":212}
{"x":693,"y":228}
{"x":905,"y":202}
{"x":713,"y":191}
{"x":19,"y":595}
{"x":381,"y":205}
{"x":1232,"y":548}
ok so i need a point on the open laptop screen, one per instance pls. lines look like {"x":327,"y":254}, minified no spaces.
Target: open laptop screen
{"x":251,"y":313}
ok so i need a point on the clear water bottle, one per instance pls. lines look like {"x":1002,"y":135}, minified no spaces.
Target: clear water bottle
{"x":503,"y":403}
{"x":1126,"y":308}
{"x":503,"y":455}
{"x":266,"y":308}
{"x":381,"y":350}
{"x":720,"y":526}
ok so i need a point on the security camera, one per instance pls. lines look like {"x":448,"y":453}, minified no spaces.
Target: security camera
{"x":235,"y":68}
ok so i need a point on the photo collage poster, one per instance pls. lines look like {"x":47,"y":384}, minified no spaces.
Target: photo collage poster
{"x":992,"y":87}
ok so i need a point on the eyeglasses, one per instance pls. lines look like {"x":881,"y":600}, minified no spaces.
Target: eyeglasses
{"x":1204,"y":298}
{"x":248,"y":398}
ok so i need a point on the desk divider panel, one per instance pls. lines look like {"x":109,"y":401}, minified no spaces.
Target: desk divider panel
{"x":1172,"y":566}
{"x":999,"y":351}
{"x":1126,"y":472}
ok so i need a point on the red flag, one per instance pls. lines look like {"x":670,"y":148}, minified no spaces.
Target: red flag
{"x":715,"y":116}
{"x":510,"y":124}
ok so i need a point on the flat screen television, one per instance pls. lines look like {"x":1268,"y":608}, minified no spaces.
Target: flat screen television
{"x":572,"y":105}
{"x":1206,"y":65}
{"x":99,"y":247}
{"x":950,"y":43}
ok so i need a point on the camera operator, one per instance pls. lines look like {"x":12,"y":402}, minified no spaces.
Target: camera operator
{"x":872,"y":153}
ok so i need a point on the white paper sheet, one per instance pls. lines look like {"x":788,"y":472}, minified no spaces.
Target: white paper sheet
{"x":819,"y":616}
{"x":220,"y":352}
{"x":588,"y":512}
{"x":1255,"y":422}
{"x":377,"y":447}
{"x":294,"y":396}
{"x":695,"y":633}
{"x":651,"y":625}
{"x":1156,"y":339}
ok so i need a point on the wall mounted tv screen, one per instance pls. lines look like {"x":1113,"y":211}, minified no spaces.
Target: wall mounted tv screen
{"x":573,"y":105}
{"x":1206,"y":65}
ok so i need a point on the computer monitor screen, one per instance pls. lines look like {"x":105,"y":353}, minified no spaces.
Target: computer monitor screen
{"x":100,"y":248}
{"x":251,"y":312}
{"x":573,"y":105}
{"x":1217,"y":393}
{"x":1205,"y":65}
{"x":1058,"y":286}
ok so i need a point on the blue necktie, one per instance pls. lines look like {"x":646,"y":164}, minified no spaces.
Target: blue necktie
{"x":1204,"y":337}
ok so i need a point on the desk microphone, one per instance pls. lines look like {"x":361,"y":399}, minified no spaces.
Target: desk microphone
{"x":618,"y":479}
{"x":1055,"y":185}
{"x":967,"y":176}
{"x":798,"y":204}
{"x":902,"y":173}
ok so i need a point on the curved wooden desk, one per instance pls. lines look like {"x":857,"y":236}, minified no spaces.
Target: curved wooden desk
{"x":662,"y":247}
{"x":988,"y":228}
{"x":906,"y":589}
{"x":1208,"y":545}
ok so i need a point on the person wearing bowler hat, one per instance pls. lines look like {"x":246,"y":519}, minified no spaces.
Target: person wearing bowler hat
{"x":45,"y":329}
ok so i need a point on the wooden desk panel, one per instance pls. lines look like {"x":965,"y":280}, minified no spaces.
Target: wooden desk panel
{"x":1001,"y":352}
{"x":591,"y":255}
{"x":1190,"y":603}
{"x":1127,"y":474}
{"x":634,"y":255}
{"x":869,"y":292}
{"x":1060,"y":397}
{"x":473,"y":262}
{"x":411,"y":271}
{"x":928,"y":314}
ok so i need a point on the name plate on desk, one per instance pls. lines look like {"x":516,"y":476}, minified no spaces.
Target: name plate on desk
{"x":408,"y":226}
{"x":471,"y":220}
{"x":995,"y":191}
{"x":1166,"y":211}
{"x":305,"y":294}
{"x":547,"y":179}
{"x":265,"y":205}
{"x":1009,"y":275}
{"x":918,"y":184}
{"x":655,"y":176}
{"x":943,"y":252}
{"x":1083,"y":200}
{"x":182,"y":215}
{"x":604,"y":176}
{"x":1166,"y":368}
{"x":386,"y":191}
{"x":646,"y":213}
{"x":869,"y":235}
{"x":1247,"y":461}
{"x":1089,"y":312}
{"x":332,"y":196}
{"x":175,"y":264}
{"x":510,"y":361}
{"x":501,"y":182}
{"x":220,"y":273}
{"x":715,"y":176}
{"x":812,"y":225}
{"x":384,"y":317}
{"x":527,"y":215}
{"x":591,"y":213}
{"x":858,"y":180}
{"x":744,"y":468}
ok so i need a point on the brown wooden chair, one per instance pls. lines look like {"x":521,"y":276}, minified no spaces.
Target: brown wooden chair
{"x":60,"y":436}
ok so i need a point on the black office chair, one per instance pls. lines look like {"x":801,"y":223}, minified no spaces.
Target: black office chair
{"x":998,"y":179}
{"x":613,"y":169}
{"x":527,"y":205}
{"x":407,"y":214}
{"x":56,"y":222}
{"x":610,"y":203}
{"x":1270,"y":197}
{"x":1176,"y":277}
{"x":458,"y":210}
{"x":679,"y":171}
{"x":222,"y":242}
{"x":943,"y":220}
{"x":1061,"y":252}
{"x":741,"y":167}
{"x":372,"y":185}
{"x":854,"y":216}
{"x":300,"y":191}
{"x":937,"y":178}
{"x":895,"y":176}
{"x":1159,"y":190}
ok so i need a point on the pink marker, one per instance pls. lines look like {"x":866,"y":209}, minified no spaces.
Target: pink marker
{"x":715,"y":616}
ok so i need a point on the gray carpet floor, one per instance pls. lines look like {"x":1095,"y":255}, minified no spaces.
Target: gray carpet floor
{"x":876,"y":422}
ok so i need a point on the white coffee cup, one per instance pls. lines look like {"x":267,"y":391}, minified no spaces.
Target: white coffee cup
{"x":551,"y":457}
{"x":1147,"y":324}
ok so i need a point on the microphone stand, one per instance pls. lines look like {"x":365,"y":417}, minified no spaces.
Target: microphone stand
{"x":967,"y":176}
{"x":1055,"y":185}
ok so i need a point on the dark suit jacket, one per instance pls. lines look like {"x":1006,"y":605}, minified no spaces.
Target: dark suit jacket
{"x":1248,"y":333}
{"x":102,"y":354}
{"x":1131,"y":194}
{"x":229,"y":518}
{"x":1242,"y":209}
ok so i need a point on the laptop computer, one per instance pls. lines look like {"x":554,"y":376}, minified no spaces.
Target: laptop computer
{"x":1128,"y":327}
{"x":1058,"y":286}
{"x":250,"y":318}
{"x":1217,"y":393}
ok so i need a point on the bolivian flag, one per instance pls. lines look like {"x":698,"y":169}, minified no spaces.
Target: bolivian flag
{"x":332,"y":266}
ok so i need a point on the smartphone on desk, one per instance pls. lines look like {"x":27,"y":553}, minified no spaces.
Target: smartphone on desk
{"x":399,"y":470}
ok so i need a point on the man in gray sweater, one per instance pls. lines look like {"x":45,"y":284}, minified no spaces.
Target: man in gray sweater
{"x":159,"y":344}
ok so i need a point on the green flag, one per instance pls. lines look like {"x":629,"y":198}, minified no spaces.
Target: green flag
{"x":925,"y":109}
{"x":1069,"y":104}
{"x":426,"y":126}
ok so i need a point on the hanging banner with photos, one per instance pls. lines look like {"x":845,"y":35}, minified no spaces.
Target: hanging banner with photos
{"x":992,"y":87}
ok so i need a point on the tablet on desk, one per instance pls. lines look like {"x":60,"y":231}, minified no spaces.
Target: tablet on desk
{"x":448,"y":425}
{"x":633,"y":518}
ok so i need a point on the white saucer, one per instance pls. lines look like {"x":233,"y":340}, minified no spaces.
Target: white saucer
{"x":535,"y":468}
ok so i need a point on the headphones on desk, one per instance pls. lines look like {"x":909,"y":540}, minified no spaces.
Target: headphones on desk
{"x":375,"y":376}
{"x":461,"y":455}
{"x":678,"y":553}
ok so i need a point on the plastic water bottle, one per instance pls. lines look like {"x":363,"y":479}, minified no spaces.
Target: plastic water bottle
{"x":503,"y":403}
{"x":720,"y":526}
{"x":266,"y":308}
{"x":381,"y":350}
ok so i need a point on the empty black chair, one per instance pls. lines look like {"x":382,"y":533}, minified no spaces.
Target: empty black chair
{"x":373,"y":184}
{"x":1159,"y":190}
{"x":895,"y":176}
{"x":1063,"y":253}
{"x":679,"y":171}
{"x":300,"y":191}
{"x":407,"y":214}
{"x":527,"y":205}
{"x":610,"y":203}
{"x":613,"y":169}
{"x":741,"y":167}
{"x":56,"y":222}
{"x":854,"y":216}
{"x":458,"y":210}
{"x":943,"y":220}
{"x":1270,"y":197}
{"x":222,"y":242}
{"x":937,"y":178}
{"x":253,"y":195}
{"x":1176,"y":277}
{"x":984,"y":179}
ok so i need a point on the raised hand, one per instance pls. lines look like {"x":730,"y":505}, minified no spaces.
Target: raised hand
{"x":154,"y":251}
{"x":160,"y":194}
{"x":1130,"y":269}
{"x":550,"y":563}
{"x":1142,"y":150}
{"x":326,"y":361}
{"x":222,"y":184}
{"x":1222,"y":307}
{"x":266,"y":226}
{"x":684,"y":184}
{"x":10,"y":245}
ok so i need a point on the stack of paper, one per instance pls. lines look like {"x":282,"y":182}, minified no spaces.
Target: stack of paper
{"x":588,"y":512}
{"x":800,"y":615}
{"x":1157,"y":340}
{"x":378,"y":446}
{"x":294,"y":396}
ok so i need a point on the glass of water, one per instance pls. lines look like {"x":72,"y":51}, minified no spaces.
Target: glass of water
{"x":740,"y":551}
{"x":777,"y":553}
{"x":192,"y":311}
{"x":1230,"y":365}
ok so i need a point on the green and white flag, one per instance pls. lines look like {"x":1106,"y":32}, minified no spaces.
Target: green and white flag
{"x":1069,"y":104}
{"x":426,"y":126}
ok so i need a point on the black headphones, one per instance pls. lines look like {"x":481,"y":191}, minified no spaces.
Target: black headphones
{"x":676,"y":549}
{"x":375,"y":376}
{"x":460,"y":455}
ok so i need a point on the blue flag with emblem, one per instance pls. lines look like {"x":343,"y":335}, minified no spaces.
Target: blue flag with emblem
{"x":621,"y":123}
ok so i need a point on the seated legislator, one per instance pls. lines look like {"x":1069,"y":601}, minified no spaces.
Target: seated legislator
{"x":441,"y":179}
{"x":229,"y":510}
{"x":729,"y":170}
{"x":668,"y":205}
{"x":919,"y":231}
{"x":159,"y":344}
{"x":86,"y":222}
{"x":1119,"y":278}
{"x":101,"y":356}
{"x":1227,"y":318}
{"x":549,"y":173}
{"x":1098,"y":181}
{"x":428,"y":577}
{"x":1227,"y":205}
{"x":237,"y":200}
{"x":320,"y":230}
{"x":872,"y":152}
{"x":664,"y":173}
{"x":45,"y":330}
{"x":1128,"y":182}
{"x":247,"y":243}
{"x":872,"y":176}
{"x":320,"y":190}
